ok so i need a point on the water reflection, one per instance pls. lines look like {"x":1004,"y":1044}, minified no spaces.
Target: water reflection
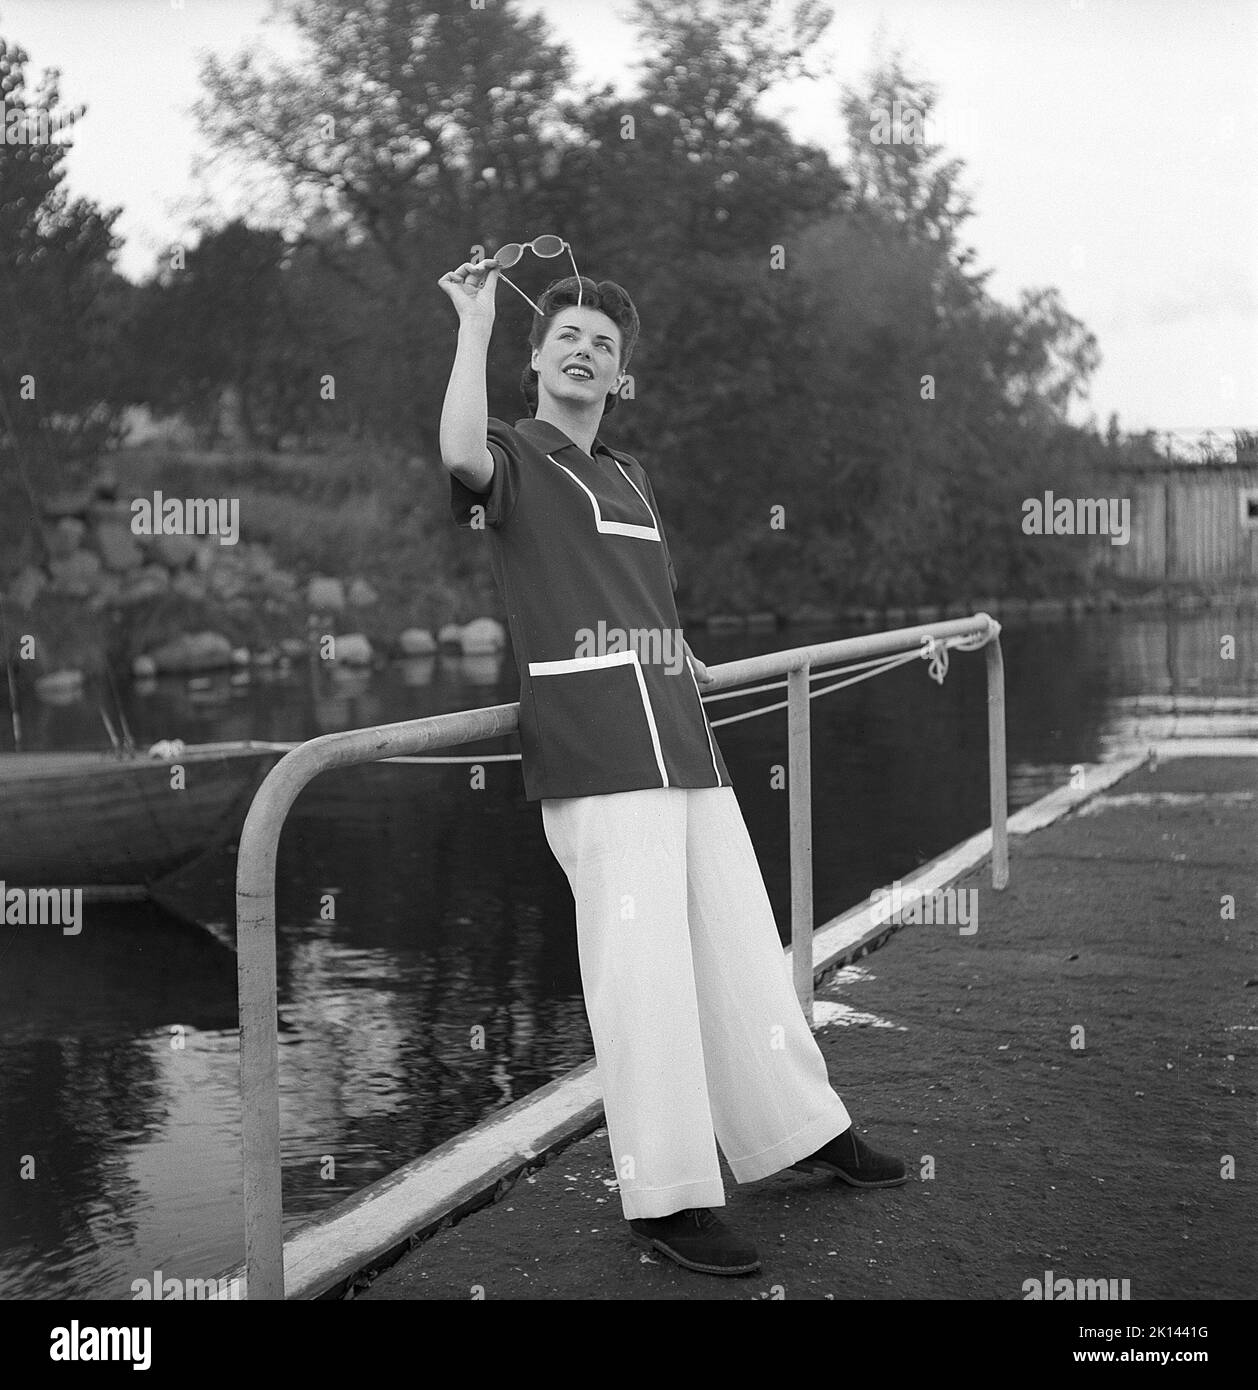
{"x":426,"y":954}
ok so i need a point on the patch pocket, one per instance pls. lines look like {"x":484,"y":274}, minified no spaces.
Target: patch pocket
{"x":594,"y":716}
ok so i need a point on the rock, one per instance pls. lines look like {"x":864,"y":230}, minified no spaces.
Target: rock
{"x":65,"y":537}
{"x":362,"y":595}
{"x":58,"y":683}
{"x":805,"y":613}
{"x":240,"y":656}
{"x":325,"y":595}
{"x":106,"y":485}
{"x":175,"y":552}
{"x":76,"y":576}
{"x":353,"y":649}
{"x":417,"y":641}
{"x":483,"y":635}
{"x":151,"y":582}
{"x":226,"y":582}
{"x":71,"y":503}
{"x":188,"y":585}
{"x":27,"y":587}
{"x":118,"y":549}
{"x":144,"y":668}
{"x":194,"y":651}
{"x":451,"y":635}
{"x":107,"y":592}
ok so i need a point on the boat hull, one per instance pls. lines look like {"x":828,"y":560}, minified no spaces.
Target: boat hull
{"x":88,"y":819}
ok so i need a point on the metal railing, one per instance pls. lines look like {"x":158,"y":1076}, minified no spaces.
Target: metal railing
{"x":259,"y":841}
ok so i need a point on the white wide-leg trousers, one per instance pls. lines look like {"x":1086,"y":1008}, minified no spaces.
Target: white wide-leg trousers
{"x":698,"y":1034}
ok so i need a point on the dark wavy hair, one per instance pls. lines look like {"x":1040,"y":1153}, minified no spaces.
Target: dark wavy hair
{"x":606,"y":296}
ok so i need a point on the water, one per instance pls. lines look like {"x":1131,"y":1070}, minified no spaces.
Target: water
{"x":448,"y":915}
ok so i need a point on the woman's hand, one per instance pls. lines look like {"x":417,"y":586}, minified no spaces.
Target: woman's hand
{"x":471,"y":288}
{"x":702,"y":675}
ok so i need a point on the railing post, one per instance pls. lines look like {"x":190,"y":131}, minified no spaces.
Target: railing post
{"x":996,"y":760}
{"x":259,"y":1057}
{"x":799,"y":790}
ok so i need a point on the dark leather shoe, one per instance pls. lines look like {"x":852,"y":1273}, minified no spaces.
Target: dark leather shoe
{"x":698,"y":1239}
{"x":850,"y":1158}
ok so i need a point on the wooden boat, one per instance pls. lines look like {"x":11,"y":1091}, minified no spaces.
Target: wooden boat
{"x":119,"y":822}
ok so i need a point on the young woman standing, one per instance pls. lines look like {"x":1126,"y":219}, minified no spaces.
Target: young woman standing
{"x":697,"y":1031}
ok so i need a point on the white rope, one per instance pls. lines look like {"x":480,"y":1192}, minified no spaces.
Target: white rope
{"x":877,"y":661}
{"x":935,"y":650}
{"x":884,"y":664}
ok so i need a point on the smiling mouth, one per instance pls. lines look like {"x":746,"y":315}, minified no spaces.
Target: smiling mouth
{"x":579,"y":373}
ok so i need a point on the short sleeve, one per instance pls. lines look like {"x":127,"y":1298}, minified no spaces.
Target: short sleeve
{"x":499,"y":501}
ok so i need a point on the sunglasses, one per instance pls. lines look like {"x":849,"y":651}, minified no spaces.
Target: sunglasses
{"x":546,"y":247}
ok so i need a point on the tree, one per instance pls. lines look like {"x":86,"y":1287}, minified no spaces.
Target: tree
{"x":60,"y":299}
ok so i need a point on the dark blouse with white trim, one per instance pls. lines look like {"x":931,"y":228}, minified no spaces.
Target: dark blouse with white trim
{"x":608,"y":702}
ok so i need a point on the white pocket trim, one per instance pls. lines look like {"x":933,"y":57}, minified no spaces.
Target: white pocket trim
{"x":576,"y":664}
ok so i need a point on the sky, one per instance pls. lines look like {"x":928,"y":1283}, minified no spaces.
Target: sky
{"x":1109,"y":149}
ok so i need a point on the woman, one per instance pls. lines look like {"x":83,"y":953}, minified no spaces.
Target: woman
{"x":697,"y":1031}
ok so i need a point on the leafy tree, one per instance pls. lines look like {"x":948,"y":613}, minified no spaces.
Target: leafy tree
{"x":60,"y":299}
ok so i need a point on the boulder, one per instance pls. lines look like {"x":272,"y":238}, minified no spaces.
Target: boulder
{"x":76,"y":576}
{"x":353,"y":649}
{"x":482,"y":635}
{"x":417,"y":641}
{"x":175,"y":552}
{"x":150,"y":582}
{"x":144,"y":668}
{"x":324,"y":595}
{"x":362,"y":595}
{"x":226,"y":582}
{"x":59,"y":685}
{"x":805,"y":613}
{"x":188,"y":585}
{"x":451,"y":635}
{"x":27,"y":587}
{"x":194,"y":651}
{"x":65,"y":537}
{"x":117,"y":546}
{"x":107,"y":592}
{"x":70,"y":503}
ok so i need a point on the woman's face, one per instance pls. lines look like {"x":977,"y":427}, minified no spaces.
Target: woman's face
{"x":579,"y":359}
